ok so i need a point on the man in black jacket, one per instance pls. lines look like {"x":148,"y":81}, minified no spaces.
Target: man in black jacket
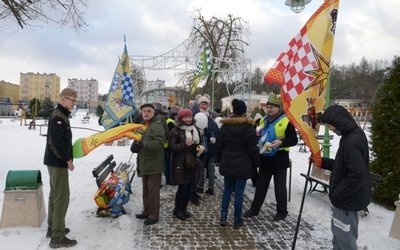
{"x":350,"y":181}
{"x":58,"y":158}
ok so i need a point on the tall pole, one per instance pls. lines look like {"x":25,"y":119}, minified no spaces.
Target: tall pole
{"x":326,"y":145}
{"x":212,"y":90}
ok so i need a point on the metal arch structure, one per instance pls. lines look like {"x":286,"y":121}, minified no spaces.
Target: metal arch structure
{"x":182,"y":57}
{"x":185,"y":57}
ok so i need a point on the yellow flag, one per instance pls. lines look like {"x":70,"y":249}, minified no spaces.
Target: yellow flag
{"x":303,"y":70}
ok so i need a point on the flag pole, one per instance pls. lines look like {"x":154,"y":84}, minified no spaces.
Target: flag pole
{"x":326,"y":145}
{"x":212,"y":90}
{"x":301,"y":207}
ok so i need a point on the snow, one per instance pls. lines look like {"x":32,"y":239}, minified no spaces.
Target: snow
{"x":22,"y":149}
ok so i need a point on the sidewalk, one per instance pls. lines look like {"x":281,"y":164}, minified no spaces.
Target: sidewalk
{"x":202,"y":231}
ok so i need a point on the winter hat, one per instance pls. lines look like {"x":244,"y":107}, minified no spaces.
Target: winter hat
{"x":239,"y":107}
{"x":204,"y":98}
{"x":214,"y":114}
{"x":257,"y":117}
{"x":147,"y":105}
{"x":184,"y":113}
{"x":174,"y":109}
{"x":274,"y":100}
{"x":158,"y":107}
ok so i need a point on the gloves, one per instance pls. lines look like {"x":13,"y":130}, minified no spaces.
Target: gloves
{"x":212,"y":140}
{"x":199,"y":149}
{"x":136,"y":146}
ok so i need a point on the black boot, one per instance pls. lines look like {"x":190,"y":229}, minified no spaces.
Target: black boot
{"x":194,"y":199}
{"x":185,"y":211}
{"x":178,"y":213}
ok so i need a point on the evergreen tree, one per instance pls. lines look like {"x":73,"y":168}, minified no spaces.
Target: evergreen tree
{"x":47,"y":108}
{"x":34,"y":107}
{"x":385,"y":136}
{"x":99,"y":110}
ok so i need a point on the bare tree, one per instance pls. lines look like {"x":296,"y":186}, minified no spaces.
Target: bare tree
{"x":226,"y":38}
{"x":66,"y":13}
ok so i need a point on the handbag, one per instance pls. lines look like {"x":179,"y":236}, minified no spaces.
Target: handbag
{"x":192,"y":162}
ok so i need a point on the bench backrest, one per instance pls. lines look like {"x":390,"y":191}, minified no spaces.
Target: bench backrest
{"x":375,"y":179}
{"x":104,"y":169}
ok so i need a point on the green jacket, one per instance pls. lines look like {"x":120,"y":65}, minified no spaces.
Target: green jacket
{"x":151,"y":157}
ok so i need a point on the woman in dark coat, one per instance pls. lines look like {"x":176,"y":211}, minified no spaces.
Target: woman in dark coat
{"x":183,"y":138}
{"x":237,"y":153}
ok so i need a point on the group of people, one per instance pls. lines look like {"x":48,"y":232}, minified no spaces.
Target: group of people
{"x":240,"y":146}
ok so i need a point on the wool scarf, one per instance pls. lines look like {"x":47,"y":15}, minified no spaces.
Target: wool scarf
{"x":191,"y":133}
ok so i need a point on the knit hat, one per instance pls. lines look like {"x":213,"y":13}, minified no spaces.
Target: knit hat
{"x":274,"y":100}
{"x":184,"y":113}
{"x":239,"y":107}
{"x":203,"y":98}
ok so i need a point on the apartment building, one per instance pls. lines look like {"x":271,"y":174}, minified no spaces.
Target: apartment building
{"x":40,"y":86}
{"x":87,"y":89}
{"x":9,"y":90}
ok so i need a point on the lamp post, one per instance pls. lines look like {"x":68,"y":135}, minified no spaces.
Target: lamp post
{"x":297,"y":6}
{"x":326,"y":145}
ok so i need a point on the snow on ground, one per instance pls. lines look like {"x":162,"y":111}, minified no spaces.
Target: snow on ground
{"x":22,"y":149}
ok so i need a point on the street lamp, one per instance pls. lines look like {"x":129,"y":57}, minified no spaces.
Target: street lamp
{"x":297,"y":6}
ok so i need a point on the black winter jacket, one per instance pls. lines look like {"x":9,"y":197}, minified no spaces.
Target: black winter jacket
{"x":237,"y":150}
{"x":350,"y":181}
{"x":59,"y":139}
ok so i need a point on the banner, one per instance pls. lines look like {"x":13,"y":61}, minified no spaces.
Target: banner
{"x":203,"y":69}
{"x":83,"y":146}
{"x":120,"y":98}
{"x":303,"y":70}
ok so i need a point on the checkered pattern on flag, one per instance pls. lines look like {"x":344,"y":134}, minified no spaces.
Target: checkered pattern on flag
{"x":303,"y":70}
{"x":127,"y":87}
{"x":203,"y":68}
{"x":120,"y":98}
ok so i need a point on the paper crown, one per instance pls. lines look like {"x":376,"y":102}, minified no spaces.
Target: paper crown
{"x":274,"y":100}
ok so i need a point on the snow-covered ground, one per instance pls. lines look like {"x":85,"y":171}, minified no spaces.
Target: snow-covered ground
{"x":22,"y":149}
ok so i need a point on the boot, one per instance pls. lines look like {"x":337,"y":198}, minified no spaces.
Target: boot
{"x":62,"y":242}
{"x":178,"y":213}
{"x":222,"y":221}
{"x":185,"y":211}
{"x":194,"y":200}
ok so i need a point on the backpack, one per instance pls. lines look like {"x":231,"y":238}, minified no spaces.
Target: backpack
{"x":268,"y":135}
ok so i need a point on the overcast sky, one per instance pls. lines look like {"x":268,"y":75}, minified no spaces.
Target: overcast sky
{"x":365,"y":28}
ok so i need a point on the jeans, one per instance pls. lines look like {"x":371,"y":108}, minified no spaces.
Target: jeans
{"x":231,"y":184}
{"x":210,"y":167}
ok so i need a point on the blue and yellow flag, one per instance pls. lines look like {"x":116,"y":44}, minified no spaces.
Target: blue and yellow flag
{"x":303,"y":70}
{"x":120,"y":98}
{"x":203,"y":69}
